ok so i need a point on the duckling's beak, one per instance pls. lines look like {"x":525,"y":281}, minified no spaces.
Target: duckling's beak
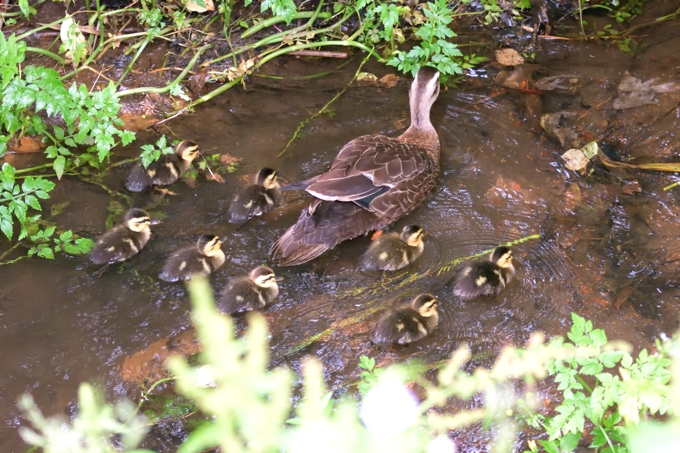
{"x":278,"y":279}
{"x":154,"y":222}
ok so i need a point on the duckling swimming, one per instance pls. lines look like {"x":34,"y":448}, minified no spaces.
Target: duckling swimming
{"x":407,"y":323}
{"x":165,"y":170}
{"x":394,"y":251}
{"x":124,"y":240}
{"x":200,"y":259}
{"x":485,"y":278}
{"x":256,"y":199}
{"x":251,"y":292}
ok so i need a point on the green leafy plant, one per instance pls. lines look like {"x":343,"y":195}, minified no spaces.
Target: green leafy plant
{"x":90,"y":117}
{"x":611,"y":403}
{"x":370,"y":375}
{"x":151,"y":153}
{"x":434,"y":49}
{"x":45,"y":245}
{"x":16,"y":199}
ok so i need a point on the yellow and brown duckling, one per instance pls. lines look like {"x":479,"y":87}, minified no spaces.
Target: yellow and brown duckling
{"x":203,"y":258}
{"x":485,"y":277}
{"x":256,"y":199}
{"x":251,"y":292}
{"x":166,"y":170}
{"x":407,"y":323}
{"x":373,"y":181}
{"x":124,"y":240}
{"x":394,"y":251}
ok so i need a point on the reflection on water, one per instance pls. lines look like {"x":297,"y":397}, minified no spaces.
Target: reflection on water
{"x":501,"y":181}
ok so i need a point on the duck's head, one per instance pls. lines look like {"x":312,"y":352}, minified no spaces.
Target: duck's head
{"x":209,"y":245}
{"x":424,"y":91}
{"x":264,"y":277}
{"x":267,"y":179}
{"x":425,"y":305}
{"x":502,"y":256}
{"x":187,"y":150}
{"x":137,"y":220}
{"x":412,"y":235}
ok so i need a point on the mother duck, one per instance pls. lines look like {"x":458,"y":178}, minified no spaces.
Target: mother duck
{"x":374,"y":181}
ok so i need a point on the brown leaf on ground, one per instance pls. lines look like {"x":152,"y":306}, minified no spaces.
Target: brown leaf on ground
{"x":389,"y":81}
{"x":631,"y":188}
{"x":228,"y":159}
{"x":199,"y":6}
{"x":197,"y":81}
{"x":210,"y":176}
{"x":366,"y":79}
{"x":25,"y":145}
{"x":509,"y":57}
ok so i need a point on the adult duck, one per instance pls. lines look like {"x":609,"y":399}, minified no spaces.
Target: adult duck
{"x":374,"y":181}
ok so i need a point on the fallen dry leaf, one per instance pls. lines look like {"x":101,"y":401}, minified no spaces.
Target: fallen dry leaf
{"x":228,"y":159}
{"x":509,"y":57}
{"x":367,"y":79}
{"x":199,"y":6}
{"x":197,"y":81}
{"x":631,"y":188}
{"x":389,"y":81}
{"x":575,"y":160}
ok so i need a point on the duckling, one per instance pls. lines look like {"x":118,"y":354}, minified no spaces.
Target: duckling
{"x":200,"y":259}
{"x":256,"y":199}
{"x":483,"y":277}
{"x":251,"y":292}
{"x":394,"y":251}
{"x":165,"y":170}
{"x":124,"y":240}
{"x":407,"y":323}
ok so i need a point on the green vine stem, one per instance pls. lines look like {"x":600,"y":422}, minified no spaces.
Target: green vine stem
{"x":176,"y":81}
{"x":46,"y":52}
{"x":323,"y":109}
{"x":277,"y":19}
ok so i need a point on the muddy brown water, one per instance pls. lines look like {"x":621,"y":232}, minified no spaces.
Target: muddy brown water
{"x":606,"y":254}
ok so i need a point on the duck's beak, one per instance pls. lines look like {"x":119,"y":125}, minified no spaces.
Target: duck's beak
{"x":278,"y":279}
{"x":154,"y":222}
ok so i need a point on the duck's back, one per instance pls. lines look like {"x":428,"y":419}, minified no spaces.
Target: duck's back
{"x":373,"y":181}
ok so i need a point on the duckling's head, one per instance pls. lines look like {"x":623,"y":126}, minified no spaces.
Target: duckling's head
{"x":137,"y":220}
{"x":209,"y":245}
{"x":267,"y":179}
{"x":412,"y":235}
{"x":425,"y":305}
{"x":502,"y":256}
{"x":424,"y":92}
{"x":187,"y":150}
{"x":263,"y":277}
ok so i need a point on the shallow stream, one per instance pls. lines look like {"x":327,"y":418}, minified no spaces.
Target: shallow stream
{"x":607,"y":253}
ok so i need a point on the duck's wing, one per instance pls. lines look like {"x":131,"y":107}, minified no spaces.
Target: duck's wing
{"x":372,"y":167}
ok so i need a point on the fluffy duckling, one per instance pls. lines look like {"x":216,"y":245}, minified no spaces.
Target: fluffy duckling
{"x":165,"y":170}
{"x":394,"y":251}
{"x":407,"y":323}
{"x":256,"y":199}
{"x":124,"y":240}
{"x":484,"y":277}
{"x":200,"y":259}
{"x":251,"y":292}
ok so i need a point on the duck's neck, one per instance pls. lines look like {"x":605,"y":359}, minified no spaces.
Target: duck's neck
{"x":421,"y":132}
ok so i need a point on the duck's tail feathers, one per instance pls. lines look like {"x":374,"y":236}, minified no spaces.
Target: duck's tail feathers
{"x":288,"y":250}
{"x":314,"y":233}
